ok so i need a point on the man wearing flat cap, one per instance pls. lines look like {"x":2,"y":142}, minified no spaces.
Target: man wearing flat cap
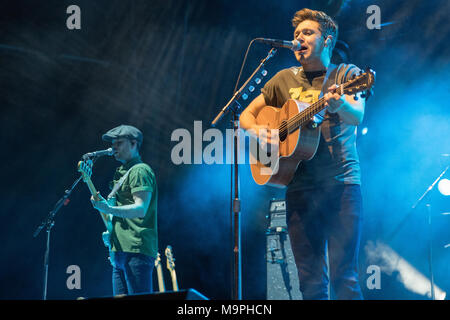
{"x":134,"y":238}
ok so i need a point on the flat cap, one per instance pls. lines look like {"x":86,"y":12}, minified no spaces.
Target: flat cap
{"x":124,"y":131}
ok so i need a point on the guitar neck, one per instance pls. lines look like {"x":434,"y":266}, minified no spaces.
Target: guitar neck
{"x":94,"y":194}
{"x":174,"y":280}
{"x":306,"y":115}
{"x":92,"y":189}
{"x":160,"y":278}
{"x":171,"y":267}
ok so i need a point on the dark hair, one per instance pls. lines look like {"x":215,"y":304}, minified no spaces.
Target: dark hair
{"x":327,"y":26}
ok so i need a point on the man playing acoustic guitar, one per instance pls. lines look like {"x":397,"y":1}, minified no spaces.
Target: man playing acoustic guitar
{"x":324,"y":204}
{"x":133,"y":239}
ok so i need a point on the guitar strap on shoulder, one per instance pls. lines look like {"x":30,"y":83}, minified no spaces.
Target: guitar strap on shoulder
{"x":332,"y":72}
{"x":119,"y":184}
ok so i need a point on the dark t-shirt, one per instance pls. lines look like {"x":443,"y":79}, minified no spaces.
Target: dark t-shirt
{"x":336,"y":160}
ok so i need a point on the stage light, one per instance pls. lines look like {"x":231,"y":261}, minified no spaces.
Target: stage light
{"x":364,"y":131}
{"x":390,"y":261}
{"x":444,"y":187}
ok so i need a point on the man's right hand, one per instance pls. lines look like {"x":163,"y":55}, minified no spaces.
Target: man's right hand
{"x":106,"y":237}
{"x":267,"y":138}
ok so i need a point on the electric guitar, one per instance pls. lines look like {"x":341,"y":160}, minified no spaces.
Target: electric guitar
{"x":160,"y":273}
{"x":85,"y":168}
{"x":171,"y":267}
{"x":297,"y":139}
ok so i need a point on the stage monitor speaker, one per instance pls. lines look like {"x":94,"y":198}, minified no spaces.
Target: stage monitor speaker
{"x":185,"y":294}
{"x":282,"y":276}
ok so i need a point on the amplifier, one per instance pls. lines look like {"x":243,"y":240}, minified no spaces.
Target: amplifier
{"x":282,"y":276}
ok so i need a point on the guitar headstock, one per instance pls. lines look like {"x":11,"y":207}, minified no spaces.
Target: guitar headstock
{"x":362,"y":82}
{"x":85,"y":168}
{"x":170,"y":259}
{"x":158,"y":260}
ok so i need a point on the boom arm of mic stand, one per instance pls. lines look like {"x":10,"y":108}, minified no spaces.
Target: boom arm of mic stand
{"x":411,"y":210}
{"x":430,"y":187}
{"x":49,"y":223}
{"x":238,"y":93}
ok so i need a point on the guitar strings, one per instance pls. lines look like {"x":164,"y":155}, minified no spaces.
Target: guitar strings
{"x":305,"y":115}
{"x":300,"y":118}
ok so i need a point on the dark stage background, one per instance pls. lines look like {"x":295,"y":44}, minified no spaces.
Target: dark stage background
{"x":161,"y":65}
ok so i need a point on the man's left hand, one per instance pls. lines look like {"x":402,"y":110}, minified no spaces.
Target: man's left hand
{"x":333,"y":101}
{"x":101,"y":205}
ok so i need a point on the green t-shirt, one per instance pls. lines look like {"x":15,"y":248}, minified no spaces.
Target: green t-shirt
{"x":336,"y":160}
{"x":136,"y":235}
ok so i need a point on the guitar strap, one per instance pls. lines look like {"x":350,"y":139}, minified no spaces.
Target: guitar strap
{"x":119,"y":184}
{"x":111,"y":199}
{"x":332,"y":72}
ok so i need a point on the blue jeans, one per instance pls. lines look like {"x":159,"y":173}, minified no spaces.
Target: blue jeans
{"x":132,"y":273}
{"x":320,"y":217}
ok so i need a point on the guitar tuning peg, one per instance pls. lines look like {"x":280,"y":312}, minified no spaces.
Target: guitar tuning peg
{"x":257,"y":80}
{"x":264,"y":72}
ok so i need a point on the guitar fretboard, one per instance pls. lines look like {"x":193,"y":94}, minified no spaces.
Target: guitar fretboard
{"x":304,"y":116}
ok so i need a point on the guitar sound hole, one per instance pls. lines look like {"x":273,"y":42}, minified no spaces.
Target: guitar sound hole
{"x":283,"y":131}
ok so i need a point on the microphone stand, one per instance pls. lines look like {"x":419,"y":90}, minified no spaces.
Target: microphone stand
{"x":234,"y":106}
{"x":430,"y":230}
{"x":48,"y":223}
{"x":425,"y":195}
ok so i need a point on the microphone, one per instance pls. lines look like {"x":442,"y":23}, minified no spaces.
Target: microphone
{"x":100,"y":153}
{"x":293,"y":45}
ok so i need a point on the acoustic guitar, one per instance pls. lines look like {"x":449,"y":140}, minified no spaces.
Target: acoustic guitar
{"x":298,"y":134}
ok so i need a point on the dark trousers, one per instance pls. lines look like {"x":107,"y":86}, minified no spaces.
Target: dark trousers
{"x":132,"y":273}
{"x":317,"y":218}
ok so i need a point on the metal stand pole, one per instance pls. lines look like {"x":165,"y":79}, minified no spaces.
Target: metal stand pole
{"x":237,"y":272}
{"x":235,"y":107}
{"x":46,"y":259}
{"x":430,"y":252}
{"x":425,"y":195}
{"x":48,"y":223}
